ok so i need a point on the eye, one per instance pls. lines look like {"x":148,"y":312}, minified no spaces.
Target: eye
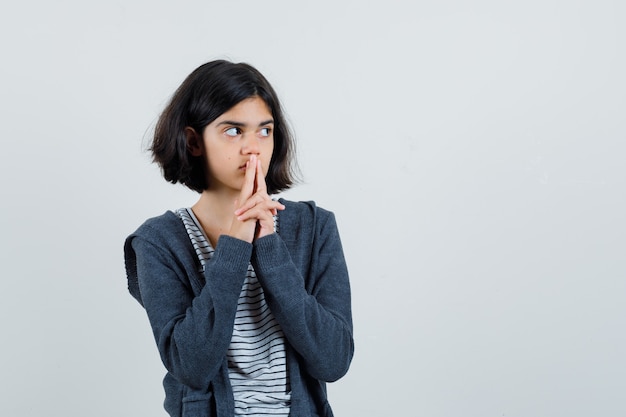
{"x":265,"y":132}
{"x":232,"y":132}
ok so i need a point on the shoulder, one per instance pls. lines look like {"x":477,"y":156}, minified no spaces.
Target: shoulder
{"x":304,"y":220}
{"x":167,"y":235}
{"x":304,"y":209}
{"x":160,"y":226}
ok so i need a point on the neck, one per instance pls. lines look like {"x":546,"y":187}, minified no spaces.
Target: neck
{"x":215,"y":211}
{"x":220,"y":202}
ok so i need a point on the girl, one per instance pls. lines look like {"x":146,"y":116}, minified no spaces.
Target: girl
{"x":248,"y":297}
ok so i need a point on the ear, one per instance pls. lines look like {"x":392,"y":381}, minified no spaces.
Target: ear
{"x":194,"y":142}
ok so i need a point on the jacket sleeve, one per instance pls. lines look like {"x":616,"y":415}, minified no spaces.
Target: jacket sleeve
{"x":192,"y":332}
{"x":316,"y":320}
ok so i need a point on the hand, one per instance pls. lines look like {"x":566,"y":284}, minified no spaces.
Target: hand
{"x":254,"y":209}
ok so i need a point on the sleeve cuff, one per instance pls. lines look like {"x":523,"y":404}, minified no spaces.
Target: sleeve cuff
{"x":232,"y":253}
{"x":270,"y":252}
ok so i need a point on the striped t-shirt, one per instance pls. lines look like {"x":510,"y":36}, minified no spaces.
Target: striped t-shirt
{"x":256,"y":357}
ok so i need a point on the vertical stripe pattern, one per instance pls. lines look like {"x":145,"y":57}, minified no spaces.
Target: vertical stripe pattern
{"x":257,"y":362}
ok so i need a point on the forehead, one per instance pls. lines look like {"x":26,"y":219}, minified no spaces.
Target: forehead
{"x":252,"y":109}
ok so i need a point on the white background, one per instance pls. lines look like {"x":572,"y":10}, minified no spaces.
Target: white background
{"x":472,"y":152}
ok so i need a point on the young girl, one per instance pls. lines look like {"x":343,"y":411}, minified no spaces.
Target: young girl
{"x":248,"y":297}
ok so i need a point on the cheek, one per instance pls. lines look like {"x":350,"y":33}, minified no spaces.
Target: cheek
{"x":266,"y":167}
{"x":269,"y":149}
{"x":269,"y":152}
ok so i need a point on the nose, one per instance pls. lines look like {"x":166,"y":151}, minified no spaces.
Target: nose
{"x":250,"y":145}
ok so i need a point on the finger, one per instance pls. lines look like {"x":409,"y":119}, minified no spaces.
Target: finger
{"x":257,"y":211}
{"x":255,"y":200}
{"x":261,"y":220}
{"x":278,"y":207}
{"x":250,"y":202}
{"x":248,"y":182}
{"x":254,"y":212}
{"x":260,"y":179}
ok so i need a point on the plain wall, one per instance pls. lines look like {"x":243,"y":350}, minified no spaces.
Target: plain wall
{"x":471,"y":151}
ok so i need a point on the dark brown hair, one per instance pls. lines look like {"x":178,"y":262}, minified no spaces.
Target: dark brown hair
{"x":208,"y":92}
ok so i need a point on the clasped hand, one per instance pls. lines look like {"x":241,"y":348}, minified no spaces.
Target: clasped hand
{"x":254,"y":209}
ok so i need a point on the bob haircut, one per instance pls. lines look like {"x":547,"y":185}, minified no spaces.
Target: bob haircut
{"x":208,"y":92}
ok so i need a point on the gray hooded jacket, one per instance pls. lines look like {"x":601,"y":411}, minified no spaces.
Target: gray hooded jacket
{"x":305,"y":280}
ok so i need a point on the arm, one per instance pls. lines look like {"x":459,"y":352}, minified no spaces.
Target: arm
{"x":316,"y":320}
{"x":193,"y":329}
{"x":192,"y":332}
{"x":312,"y":304}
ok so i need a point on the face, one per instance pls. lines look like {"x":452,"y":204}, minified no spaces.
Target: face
{"x":230,"y":140}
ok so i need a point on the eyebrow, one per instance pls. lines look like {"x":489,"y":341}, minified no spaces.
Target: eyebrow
{"x":240,"y":124}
